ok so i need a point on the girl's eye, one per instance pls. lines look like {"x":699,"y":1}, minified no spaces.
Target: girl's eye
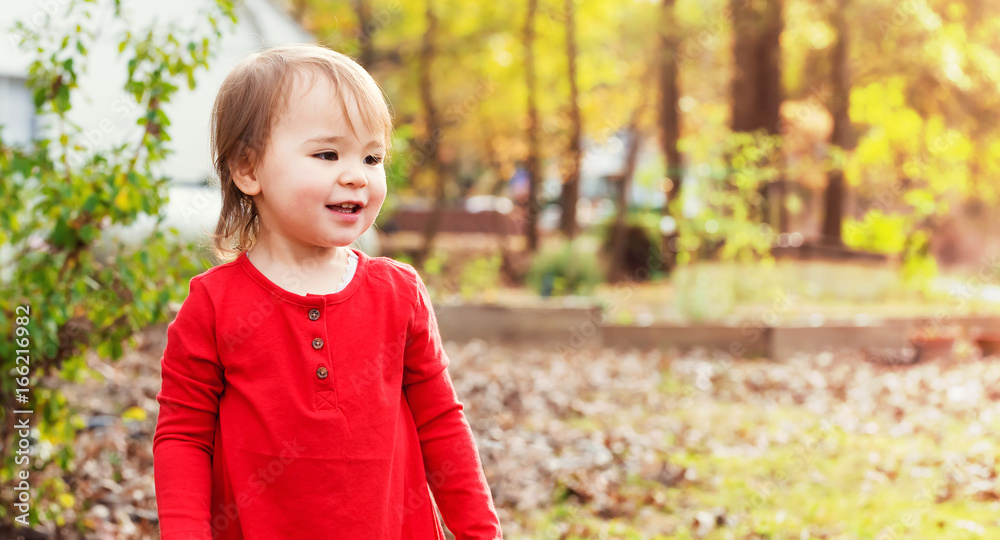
{"x":330,"y":156}
{"x":373,"y":160}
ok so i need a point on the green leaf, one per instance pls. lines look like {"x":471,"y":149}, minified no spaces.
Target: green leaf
{"x":90,"y":203}
{"x":39,"y":97}
{"x":88,"y":232}
{"x":61,"y":102}
{"x":62,"y":235}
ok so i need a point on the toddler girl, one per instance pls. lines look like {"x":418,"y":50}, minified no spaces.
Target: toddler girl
{"x":305,"y":388}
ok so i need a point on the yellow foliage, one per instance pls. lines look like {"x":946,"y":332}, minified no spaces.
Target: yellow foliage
{"x":134,"y":413}
{"x":122,"y":201}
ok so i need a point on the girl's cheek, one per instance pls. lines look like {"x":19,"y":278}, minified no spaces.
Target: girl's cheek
{"x":380,"y":182}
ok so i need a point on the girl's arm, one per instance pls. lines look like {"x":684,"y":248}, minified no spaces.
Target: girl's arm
{"x":185,"y":428}
{"x":451,"y":459}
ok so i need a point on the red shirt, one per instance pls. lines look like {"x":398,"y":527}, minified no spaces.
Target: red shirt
{"x":318,"y":417}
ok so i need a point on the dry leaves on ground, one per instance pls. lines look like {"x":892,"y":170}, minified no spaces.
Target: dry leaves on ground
{"x":606,"y":430}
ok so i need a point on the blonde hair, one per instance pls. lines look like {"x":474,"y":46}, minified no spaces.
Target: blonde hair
{"x":254,"y":93}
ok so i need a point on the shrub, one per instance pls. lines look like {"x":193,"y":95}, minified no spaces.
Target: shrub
{"x":480,"y":276}
{"x":569,"y":269}
{"x":642,"y":257}
{"x":58,"y":294}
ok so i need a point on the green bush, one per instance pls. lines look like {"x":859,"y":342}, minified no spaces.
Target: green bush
{"x":643,"y":256}
{"x":451,"y":277}
{"x":479,"y":276}
{"x":721,"y":215}
{"x":568,"y":269}
{"x":59,"y":296}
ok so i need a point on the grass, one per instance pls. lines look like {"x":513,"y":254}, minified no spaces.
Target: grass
{"x":766,"y":470}
{"x":792,"y":292}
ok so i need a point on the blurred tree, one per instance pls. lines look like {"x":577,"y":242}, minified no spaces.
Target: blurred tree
{"x":571,"y":181}
{"x":432,"y":133}
{"x":669,"y":62}
{"x":531,"y":205}
{"x":939,"y":57}
{"x":756,"y":84}
{"x":73,"y":291}
{"x":479,"y":74}
{"x":619,"y":246}
{"x":921,"y":98}
{"x":841,"y":137}
{"x":366,"y":27}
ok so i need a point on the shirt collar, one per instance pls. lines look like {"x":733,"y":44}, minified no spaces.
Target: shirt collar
{"x":309,"y":299}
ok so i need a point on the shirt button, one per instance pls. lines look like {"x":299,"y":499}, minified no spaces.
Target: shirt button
{"x":317,"y":343}
{"x":321,"y":372}
{"x":313,"y":314}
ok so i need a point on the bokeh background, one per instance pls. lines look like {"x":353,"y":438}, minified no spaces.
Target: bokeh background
{"x":704,"y":268}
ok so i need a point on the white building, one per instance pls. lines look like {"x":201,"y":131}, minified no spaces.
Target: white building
{"x":107,"y":113}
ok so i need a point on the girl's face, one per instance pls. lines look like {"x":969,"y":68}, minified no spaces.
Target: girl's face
{"x":313,"y":164}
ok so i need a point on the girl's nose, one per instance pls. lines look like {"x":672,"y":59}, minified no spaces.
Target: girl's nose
{"x":353,"y":176}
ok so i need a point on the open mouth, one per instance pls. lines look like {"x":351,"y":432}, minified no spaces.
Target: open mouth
{"x":345,"y":208}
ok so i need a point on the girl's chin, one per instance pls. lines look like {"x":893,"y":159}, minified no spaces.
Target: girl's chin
{"x":340,"y":240}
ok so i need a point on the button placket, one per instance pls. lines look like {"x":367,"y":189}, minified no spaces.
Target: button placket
{"x":326,"y":396}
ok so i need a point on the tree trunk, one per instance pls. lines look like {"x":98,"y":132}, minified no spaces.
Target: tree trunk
{"x":669,"y":96}
{"x":833,"y":199}
{"x":756,"y":87}
{"x":366,"y":33}
{"x":620,"y":238}
{"x":571,"y":183}
{"x":531,"y":208}
{"x":433,"y":135}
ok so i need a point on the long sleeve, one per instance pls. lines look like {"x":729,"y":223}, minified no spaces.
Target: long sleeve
{"x":451,"y":459}
{"x":184,"y":440}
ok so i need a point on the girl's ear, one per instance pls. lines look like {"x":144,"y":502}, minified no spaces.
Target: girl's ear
{"x":244,"y":176}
